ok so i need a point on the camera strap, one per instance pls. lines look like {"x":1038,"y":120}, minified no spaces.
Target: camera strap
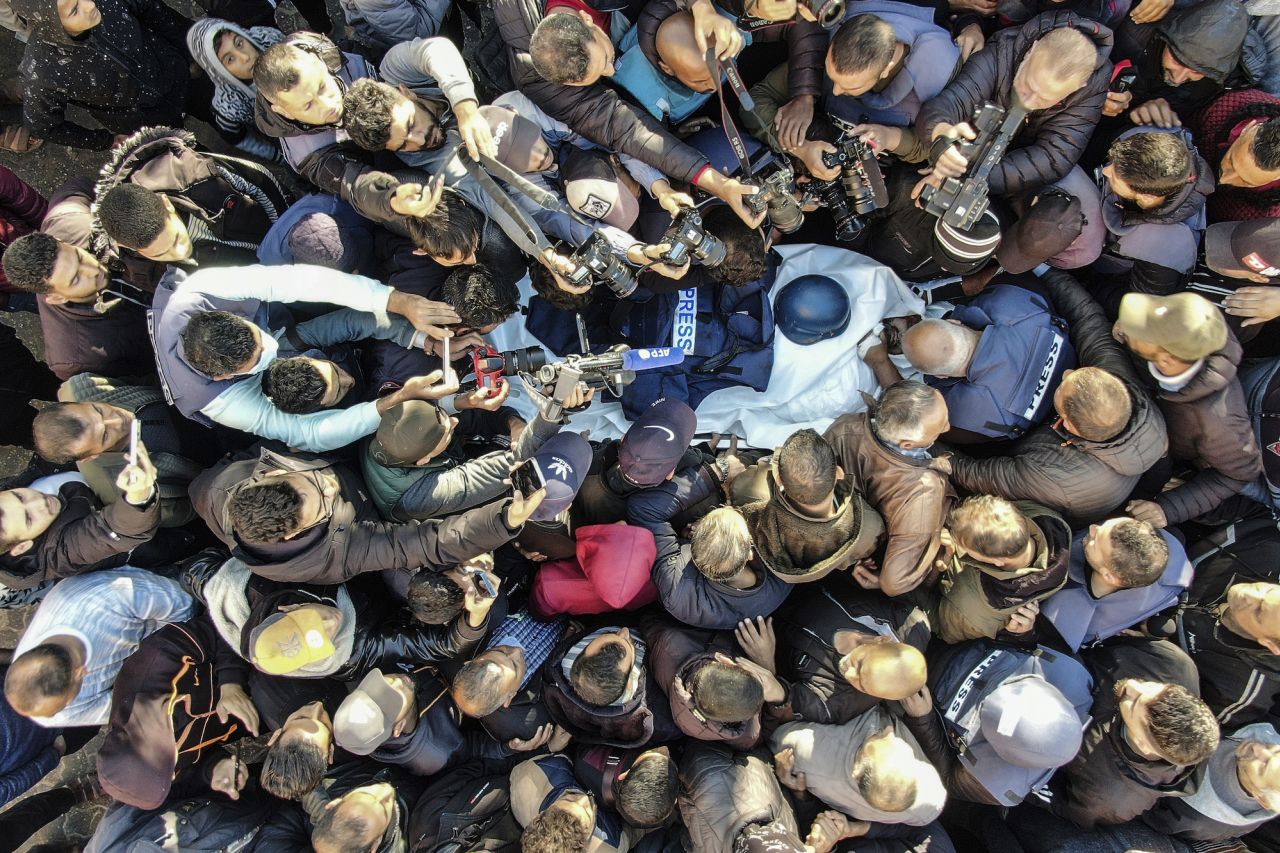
{"x":520,"y":223}
{"x":730,"y":72}
{"x":544,"y":198}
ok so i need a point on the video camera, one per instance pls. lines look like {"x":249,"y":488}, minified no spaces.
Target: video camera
{"x":687,"y":236}
{"x":960,"y":202}
{"x":859,"y":190}
{"x":596,"y":260}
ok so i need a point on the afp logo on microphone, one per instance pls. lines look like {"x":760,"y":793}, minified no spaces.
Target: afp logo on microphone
{"x":653,"y":352}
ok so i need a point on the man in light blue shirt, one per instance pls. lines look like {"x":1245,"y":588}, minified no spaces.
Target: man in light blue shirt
{"x":83,"y":631}
{"x":216,"y":330}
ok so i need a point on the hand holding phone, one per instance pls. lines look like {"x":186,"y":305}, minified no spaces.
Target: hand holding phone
{"x":135,"y":435}
{"x":527,"y":477}
{"x":481,"y":579}
{"x":447,"y":357}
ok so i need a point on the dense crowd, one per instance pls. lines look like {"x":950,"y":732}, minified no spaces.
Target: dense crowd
{"x":766,"y":426}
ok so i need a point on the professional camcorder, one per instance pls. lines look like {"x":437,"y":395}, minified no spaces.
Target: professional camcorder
{"x":776,"y":196}
{"x":687,"y":236}
{"x":596,"y":260}
{"x":960,"y":202}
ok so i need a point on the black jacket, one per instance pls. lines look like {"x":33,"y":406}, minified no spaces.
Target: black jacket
{"x":1209,"y":38}
{"x":1050,"y":141}
{"x":135,"y":62}
{"x":1107,"y":782}
{"x":470,"y":806}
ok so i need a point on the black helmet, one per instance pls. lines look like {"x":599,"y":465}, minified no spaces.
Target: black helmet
{"x":811,"y":308}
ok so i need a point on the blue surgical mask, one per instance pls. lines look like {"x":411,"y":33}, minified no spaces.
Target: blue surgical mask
{"x":270,"y":348}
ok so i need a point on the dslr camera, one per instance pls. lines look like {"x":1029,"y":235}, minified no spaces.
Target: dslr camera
{"x":595,"y":260}
{"x":686,"y":236}
{"x":859,"y":190}
{"x":960,"y":202}
{"x":776,"y":196}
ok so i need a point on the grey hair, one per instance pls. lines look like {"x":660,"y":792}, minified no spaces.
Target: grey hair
{"x":900,"y":410}
{"x":949,"y":356}
{"x":721,"y":543}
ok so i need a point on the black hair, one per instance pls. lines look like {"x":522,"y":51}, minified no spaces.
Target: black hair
{"x":54,"y":429}
{"x":366,"y":113}
{"x":434,"y":599}
{"x":132,"y":216}
{"x":453,"y":228}
{"x":807,"y":467}
{"x":480,"y":298}
{"x":294,"y":385}
{"x":862,"y":43}
{"x":276,"y":70}
{"x":29,"y":261}
{"x":349,"y":834}
{"x":47,"y":673}
{"x":293,"y":768}
{"x":745,"y":258}
{"x":544,"y":285}
{"x":597,"y":678}
{"x":558,"y":48}
{"x":1266,"y":145}
{"x":646,"y":797}
{"x":478,"y":688}
{"x":1152,"y":162}
{"x":218,"y":343}
{"x":265,"y":513}
{"x":725,"y":693}
{"x":1139,"y":553}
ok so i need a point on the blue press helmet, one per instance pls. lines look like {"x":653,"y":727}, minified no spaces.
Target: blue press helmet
{"x":811,"y":308}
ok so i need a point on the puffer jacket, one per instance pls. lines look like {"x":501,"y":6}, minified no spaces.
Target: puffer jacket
{"x":807,"y":631}
{"x":806,"y":43}
{"x":469,"y":805}
{"x":598,"y":112}
{"x":1239,"y":679}
{"x":1209,"y":38}
{"x":1083,"y":480}
{"x":911,"y":494}
{"x":1050,"y":141}
{"x":1209,"y":427}
{"x":676,"y":653}
{"x":722,"y":792}
{"x":84,"y":537}
{"x":133,"y":65}
{"x":353,"y":540}
{"x":1215,"y":127}
{"x":977,"y":599}
{"x":1108,"y":783}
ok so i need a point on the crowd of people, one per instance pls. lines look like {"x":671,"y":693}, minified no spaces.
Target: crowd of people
{"x":766,"y":426}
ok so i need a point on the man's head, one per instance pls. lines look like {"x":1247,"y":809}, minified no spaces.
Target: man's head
{"x":1258,"y":770}
{"x":356,"y":821}
{"x":221,"y":345}
{"x":78,"y":16}
{"x":519,"y":142}
{"x":885,"y":669}
{"x":1126,"y":553}
{"x":1253,"y":612}
{"x":863,"y":52}
{"x":1164,"y":721}
{"x":25,"y":514}
{"x":911,"y":415}
{"x":991,"y":530}
{"x":279,"y":506}
{"x":940,"y":347}
{"x":298,"y":85}
{"x":77,"y":432}
{"x":383,"y":706}
{"x":645,"y":793}
{"x":483,"y":301}
{"x":656,"y":442}
{"x":64,"y":273}
{"x":1174,"y":72}
{"x":145,"y":221}
{"x":295,"y":636}
{"x":1148,"y":167}
{"x":1058,"y":64}
{"x":436,"y":598}
{"x":725,"y":692}
{"x":43,"y":680}
{"x":565,"y":826}
{"x":884,"y":772}
{"x":745,"y":258}
{"x":569,"y":49}
{"x":380,"y":117}
{"x":489,"y":681}
{"x":451,"y":233}
{"x":298,"y":753}
{"x":302,"y":385}
{"x":1248,"y":249}
{"x":721,"y":544}
{"x":678,"y":54}
{"x":806,"y":468}
{"x":1171,"y":332}
{"x":600,"y":673}
{"x":1093,"y":404}
{"x":411,"y":434}
{"x":1253,"y":159}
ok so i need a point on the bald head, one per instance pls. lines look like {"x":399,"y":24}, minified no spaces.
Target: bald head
{"x":678,"y":54}
{"x":891,"y":671}
{"x":1094,"y":404}
{"x":887,"y":772}
{"x":940,"y":347}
